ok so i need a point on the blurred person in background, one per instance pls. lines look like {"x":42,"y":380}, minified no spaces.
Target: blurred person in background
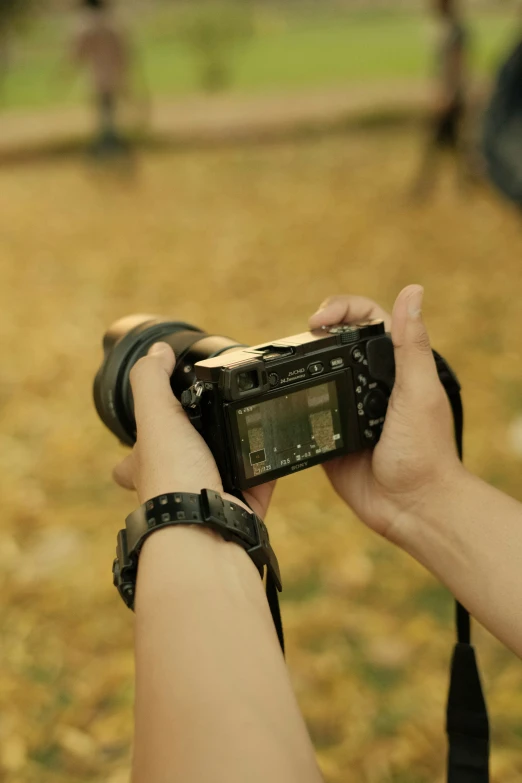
{"x":502,"y":140}
{"x":100,"y":47}
{"x":447,"y":123}
{"x":214,"y":700}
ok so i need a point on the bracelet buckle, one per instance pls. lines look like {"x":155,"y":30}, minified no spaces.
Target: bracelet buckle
{"x":213,"y":508}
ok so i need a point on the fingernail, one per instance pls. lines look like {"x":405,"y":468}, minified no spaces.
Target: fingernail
{"x":318,"y":312}
{"x":156,"y":349}
{"x":415,"y":302}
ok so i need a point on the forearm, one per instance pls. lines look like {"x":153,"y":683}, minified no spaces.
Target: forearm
{"x":469,"y":535}
{"x":213,"y":697}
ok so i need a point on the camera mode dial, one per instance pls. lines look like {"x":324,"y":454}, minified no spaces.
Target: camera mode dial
{"x":356,"y":332}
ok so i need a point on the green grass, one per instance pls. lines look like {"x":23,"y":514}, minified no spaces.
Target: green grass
{"x":291,"y":50}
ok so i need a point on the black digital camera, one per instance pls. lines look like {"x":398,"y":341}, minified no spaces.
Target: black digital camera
{"x":268,"y":410}
{"x":264,"y":411}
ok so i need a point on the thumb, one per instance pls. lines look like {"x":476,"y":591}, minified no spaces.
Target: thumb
{"x":416,"y":371}
{"x":150,"y":383}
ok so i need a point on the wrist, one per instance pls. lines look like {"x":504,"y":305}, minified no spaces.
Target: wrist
{"x":424,"y":519}
{"x":177,"y":561}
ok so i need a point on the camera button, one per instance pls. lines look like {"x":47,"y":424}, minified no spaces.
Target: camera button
{"x":357,"y":356}
{"x":362,"y":383}
{"x":316,"y":368}
{"x":273,"y":379}
{"x":338,"y":362}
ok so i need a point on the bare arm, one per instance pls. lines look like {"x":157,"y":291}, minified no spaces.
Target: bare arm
{"x":213,"y":695}
{"x":213,"y":701}
{"x":469,"y":535}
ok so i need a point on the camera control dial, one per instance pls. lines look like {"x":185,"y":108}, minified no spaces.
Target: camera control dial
{"x":362,"y":331}
{"x":375,"y":404}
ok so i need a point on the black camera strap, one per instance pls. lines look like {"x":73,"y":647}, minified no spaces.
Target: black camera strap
{"x":272,"y":592}
{"x":467,"y":723}
{"x":272,"y":595}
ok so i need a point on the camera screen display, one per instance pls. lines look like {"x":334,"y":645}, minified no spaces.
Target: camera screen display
{"x":289,"y":429}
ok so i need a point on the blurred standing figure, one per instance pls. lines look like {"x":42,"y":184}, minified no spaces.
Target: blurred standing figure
{"x":502,"y":137}
{"x":447,"y":124}
{"x":101,"y":48}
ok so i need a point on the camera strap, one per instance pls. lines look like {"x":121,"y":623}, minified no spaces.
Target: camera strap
{"x":272,"y":595}
{"x":467,"y":723}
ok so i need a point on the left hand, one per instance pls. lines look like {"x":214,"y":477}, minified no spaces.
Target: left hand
{"x":170,"y":455}
{"x":416,"y":458}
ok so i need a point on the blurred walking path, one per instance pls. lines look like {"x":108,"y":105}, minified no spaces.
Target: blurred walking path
{"x":230,"y":116}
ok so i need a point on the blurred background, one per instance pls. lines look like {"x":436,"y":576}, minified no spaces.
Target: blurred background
{"x":231,"y":164}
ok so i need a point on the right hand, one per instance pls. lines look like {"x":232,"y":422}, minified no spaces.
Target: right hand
{"x":416,"y":455}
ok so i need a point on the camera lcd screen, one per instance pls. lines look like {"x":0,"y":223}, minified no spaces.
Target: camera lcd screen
{"x":289,"y":429}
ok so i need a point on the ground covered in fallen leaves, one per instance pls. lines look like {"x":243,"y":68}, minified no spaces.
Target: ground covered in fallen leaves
{"x":244,"y":241}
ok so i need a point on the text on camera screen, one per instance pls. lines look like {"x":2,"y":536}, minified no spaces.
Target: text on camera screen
{"x":289,"y":429}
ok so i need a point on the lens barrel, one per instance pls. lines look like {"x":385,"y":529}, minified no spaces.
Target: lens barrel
{"x":125,"y":343}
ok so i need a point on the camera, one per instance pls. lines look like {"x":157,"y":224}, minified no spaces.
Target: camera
{"x":264,"y":411}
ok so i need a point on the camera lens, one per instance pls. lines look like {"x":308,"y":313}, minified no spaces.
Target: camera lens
{"x":127,"y":341}
{"x":246,"y":381}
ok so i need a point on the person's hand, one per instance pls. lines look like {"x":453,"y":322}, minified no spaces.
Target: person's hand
{"x":416,"y":455}
{"x":169,"y":455}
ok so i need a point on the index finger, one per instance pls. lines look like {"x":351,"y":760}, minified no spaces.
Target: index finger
{"x":348,"y":310}
{"x":154,"y":401}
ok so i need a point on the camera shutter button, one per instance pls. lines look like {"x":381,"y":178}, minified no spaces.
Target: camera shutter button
{"x":375,"y":404}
